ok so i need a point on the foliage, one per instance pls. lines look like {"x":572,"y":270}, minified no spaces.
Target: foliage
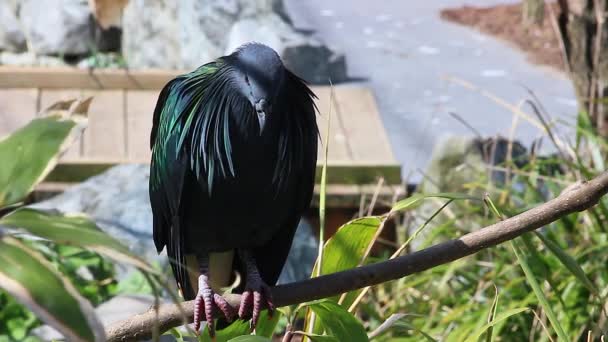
{"x":548,"y":285}
{"x":50,"y":262}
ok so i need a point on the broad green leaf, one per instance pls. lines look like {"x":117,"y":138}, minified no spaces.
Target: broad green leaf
{"x":76,"y":230}
{"x":31,"y":152}
{"x":250,"y":338}
{"x":34,"y":282}
{"x":568,"y":261}
{"x":176,"y":334}
{"x":346,"y":247}
{"x":337,"y":321}
{"x":499,"y":318}
{"x":267,"y":325}
{"x":538,"y":292}
{"x":235,"y":329}
{"x":416,"y":199}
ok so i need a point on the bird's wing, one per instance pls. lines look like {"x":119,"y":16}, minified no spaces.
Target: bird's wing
{"x":299,"y":144}
{"x":174,"y":116}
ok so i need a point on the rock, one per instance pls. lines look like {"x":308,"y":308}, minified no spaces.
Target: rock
{"x":457,"y":162}
{"x":118,"y":201}
{"x":11,"y":37}
{"x":304,"y":55}
{"x":29,"y":59}
{"x":151,"y":34}
{"x":194,"y":32}
{"x":58,"y":27}
{"x":302,"y":255}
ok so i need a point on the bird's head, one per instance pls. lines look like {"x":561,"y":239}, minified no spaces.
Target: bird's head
{"x":259,"y":75}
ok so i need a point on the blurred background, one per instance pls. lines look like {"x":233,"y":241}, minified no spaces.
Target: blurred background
{"x":494,"y":97}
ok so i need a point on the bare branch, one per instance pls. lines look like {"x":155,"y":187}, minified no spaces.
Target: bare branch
{"x":579,"y":197}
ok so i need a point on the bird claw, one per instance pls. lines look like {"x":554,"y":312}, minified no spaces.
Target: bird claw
{"x":206,"y":302}
{"x":256,"y":297}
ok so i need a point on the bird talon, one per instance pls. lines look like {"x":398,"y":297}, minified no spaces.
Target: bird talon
{"x":206,"y":302}
{"x":253,"y":301}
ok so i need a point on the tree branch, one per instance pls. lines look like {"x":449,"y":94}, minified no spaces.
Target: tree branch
{"x":577,"y":197}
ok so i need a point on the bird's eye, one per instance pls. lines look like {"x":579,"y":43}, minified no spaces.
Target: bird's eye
{"x":247,"y":79}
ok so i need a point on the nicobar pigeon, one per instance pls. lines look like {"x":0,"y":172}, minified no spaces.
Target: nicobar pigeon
{"x":234,"y":150}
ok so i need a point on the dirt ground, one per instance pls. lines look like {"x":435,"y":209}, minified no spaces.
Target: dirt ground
{"x":540,"y":42}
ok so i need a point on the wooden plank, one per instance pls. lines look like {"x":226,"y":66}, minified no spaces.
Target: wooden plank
{"x":140,"y":110}
{"x":105,"y":137}
{"x":362,"y":125}
{"x":49,"y":97}
{"x":347,"y":173}
{"x":17,"y":108}
{"x":338,"y":149}
{"x":337,"y":196}
{"x":29,"y":77}
{"x":75,"y":78}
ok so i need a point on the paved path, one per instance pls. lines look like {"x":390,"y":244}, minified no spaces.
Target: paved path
{"x":403,"y":49}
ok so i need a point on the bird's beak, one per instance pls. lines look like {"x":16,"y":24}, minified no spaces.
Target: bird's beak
{"x":261,"y":120}
{"x":260,"y":110}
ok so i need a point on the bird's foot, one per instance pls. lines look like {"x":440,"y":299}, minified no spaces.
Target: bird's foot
{"x":254,"y":299}
{"x":206,"y":302}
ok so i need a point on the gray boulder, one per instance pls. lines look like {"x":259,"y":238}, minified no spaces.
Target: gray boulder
{"x":29,"y":59}
{"x":304,"y":55}
{"x":150,"y":34}
{"x":11,"y":36}
{"x":118,"y":201}
{"x":192,"y":32}
{"x":457,"y":162}
{"x":58,"y":27}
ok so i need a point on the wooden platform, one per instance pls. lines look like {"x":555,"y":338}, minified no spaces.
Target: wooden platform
{"x":121,"y":118}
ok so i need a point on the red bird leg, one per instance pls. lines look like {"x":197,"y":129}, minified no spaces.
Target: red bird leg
{"x":207,"y":300}
{"x":257,"y":294}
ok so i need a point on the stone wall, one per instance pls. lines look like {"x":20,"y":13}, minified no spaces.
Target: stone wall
{"x":158,"y":34}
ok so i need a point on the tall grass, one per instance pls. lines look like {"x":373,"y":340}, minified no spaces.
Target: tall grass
{"x":552,"y":284}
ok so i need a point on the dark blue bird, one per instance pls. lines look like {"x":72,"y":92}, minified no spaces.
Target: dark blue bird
{"x":234,"y":150}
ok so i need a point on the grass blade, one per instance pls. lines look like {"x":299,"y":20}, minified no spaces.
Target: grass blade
{"x":487,"y":327}
{"x":569,"y":262}
{"x":542,"y":299}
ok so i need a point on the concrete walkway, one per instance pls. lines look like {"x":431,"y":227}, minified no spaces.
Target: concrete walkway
{"x":404,"y":49}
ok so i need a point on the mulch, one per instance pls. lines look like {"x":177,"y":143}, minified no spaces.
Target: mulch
{"x":539,"y":42}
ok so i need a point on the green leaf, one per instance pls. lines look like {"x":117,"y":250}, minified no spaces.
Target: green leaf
{"x":31,"y":152}
{"x":499,"y":318}
{"x":569,"y":262}
{"x":250,"y":338}
{"x":395,"y":321}
{"x":345,"y":248}
{"x":75,"y":230}
{"x":235,"y":329}
{"x":415,"y":200}
{"x":492,"y":316}
{"x":267,"y":325}
{"x":538,"y":292}
{"x":320,"y":338}
{"x":337,"y":321}
{"x":33,"y":281}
